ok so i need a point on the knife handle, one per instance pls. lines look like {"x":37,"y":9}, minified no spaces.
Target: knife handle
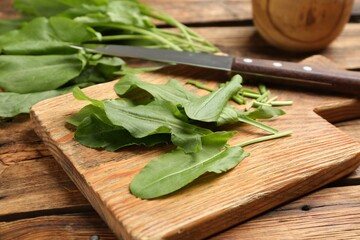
{"x":299,"y":74}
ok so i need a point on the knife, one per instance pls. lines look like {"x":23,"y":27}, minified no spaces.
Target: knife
{"x":280,"y":72}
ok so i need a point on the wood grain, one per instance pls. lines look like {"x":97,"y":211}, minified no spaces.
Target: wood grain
{"x":67,"y":226}
{"x":266,"y":179}
{"x":192,"y":11}
{"x":35,"y":156}
{"x":307,"y":218}
{"x":30,"y":179}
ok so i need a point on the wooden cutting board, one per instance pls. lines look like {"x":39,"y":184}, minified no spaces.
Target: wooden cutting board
{"x":277,"y":171}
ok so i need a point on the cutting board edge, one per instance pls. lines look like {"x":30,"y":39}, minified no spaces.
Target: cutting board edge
{"x":76,"y":177}
{"x":345,"y":169}
{"x":188,"y":229}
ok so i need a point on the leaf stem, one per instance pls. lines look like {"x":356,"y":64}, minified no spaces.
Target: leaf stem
{"x":125,"y":37}
{"x":257,"y":124}
{"x":281,"y":103}
{"x":266,"y":138}
{"x":200,"y":85}
{"x":140,"y":31}
{"x":250,"y":95}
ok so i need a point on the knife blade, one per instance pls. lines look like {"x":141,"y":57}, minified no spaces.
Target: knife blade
{"x":280,"y":72}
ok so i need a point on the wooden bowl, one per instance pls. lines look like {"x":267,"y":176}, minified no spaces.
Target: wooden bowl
{"x":301,"y":25}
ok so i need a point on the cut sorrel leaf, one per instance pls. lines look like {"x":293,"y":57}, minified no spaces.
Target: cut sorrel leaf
{"x":209,"y":107}
{"x":153,"y":118}
{"x":176,"y":169}
{"x":13,"y":104}
{"x":27,"y":74}
{"x":80,"y":95}
{"x":95,"y":133}
{"x":264,"y":112}
{"x":173,"y":91}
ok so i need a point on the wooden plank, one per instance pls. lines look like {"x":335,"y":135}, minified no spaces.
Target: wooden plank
{"x":192,"y":11}
{"x":37,"y":185}
{"x":246,"y":42}
{"x":352,"y":128}
{"x":30,"y":179}
{"x":298,"y":168}
{"x":316,"y":216}
{"x":6,"y":11}
{"x":205,"y":11}
{"x":68,"y":226}
{"x":331,"y":213}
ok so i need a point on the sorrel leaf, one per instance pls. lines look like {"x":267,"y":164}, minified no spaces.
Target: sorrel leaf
{"x":27,"y":74}
{"x":95,"y":133}
{"x":176,"y":169}
{"x":173,"y":91}
{"x":209,"y":107}
{"x":153,"y":118}
{"x":13,"y":104}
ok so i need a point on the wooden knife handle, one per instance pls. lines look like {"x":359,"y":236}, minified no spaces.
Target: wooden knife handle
{"x":299,"y":74}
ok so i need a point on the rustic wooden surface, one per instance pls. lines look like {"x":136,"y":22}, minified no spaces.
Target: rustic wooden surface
{"x":28,"y":203}
{"x":286,"y":170}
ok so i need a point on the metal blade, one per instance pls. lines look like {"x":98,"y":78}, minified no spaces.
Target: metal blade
{"x":169,"y":56}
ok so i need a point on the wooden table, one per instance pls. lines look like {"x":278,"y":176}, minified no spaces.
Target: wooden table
{"x":38,"y":200}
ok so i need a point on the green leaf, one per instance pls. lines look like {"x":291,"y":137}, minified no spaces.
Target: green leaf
{"x":26,"y":74}
{"x":39,"y":7}
{"x":12,"y":104}
{"x":37,"y":47}
{"x":176,"y":169}
{"x":95,"y":133}
{"x":209,"y":107}
{"x":80,"y":95}
{"x":153,"y":118}
{"x":173,"y":91}
{"x":229,"y":115}
{"x":99,"y":70}
{"x":46,"y":36}
{"x":265,"y":112}
{"x":10,"y":25}
{"x":86,"y":112}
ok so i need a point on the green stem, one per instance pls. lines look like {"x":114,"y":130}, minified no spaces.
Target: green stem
{"x":150,"y":11}
{"x":140,"y":31}
{"x":257,"y":104}
{"x":266,"y":138}
{"x":181,"y":35}
{"x":281,"y":103}
{"x":262,"y":88}
{"x":263,"y":97}
{"x":179,"y":39}
{"x":237,"y":99}
{"x":162,"y":16}
{"x":249,"y":105}
{"x":257,"y":124}
{"x":200,"y":85}
{"x":251,"y":95}
{"x":271,"y":99}
{"x":124,"y":37}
